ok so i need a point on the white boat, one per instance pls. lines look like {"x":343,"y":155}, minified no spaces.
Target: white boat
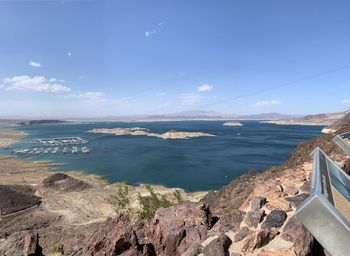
{"x":85,"y":150}
{"x":74,"y":150}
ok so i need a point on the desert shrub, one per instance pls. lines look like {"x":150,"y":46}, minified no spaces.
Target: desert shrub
{"x":149,"y":204}
{"x":59,"y":249}
{"x":121,"y":199}
{"x":178,"y":197}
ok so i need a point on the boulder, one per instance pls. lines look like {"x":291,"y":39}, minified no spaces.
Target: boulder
{"x":257,"y":203}
{"x":228,"y":222}
{"x":241,"y":234}
{"x":301,"y":238}
{"x":274,"y":219}
{"x":259,"y":239}
{"x":254,"y":218}
{"x":297,"y":200}
{"x":218,"y":247}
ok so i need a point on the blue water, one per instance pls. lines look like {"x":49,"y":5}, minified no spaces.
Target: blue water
{"x":196,"y":164}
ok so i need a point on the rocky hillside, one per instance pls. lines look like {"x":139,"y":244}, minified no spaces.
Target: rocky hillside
{"x":318,"y":119}
{"x":253,"y":215}
{"x":339,"y":123}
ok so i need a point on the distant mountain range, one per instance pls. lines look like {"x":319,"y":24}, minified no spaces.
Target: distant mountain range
{"x":318,"y":119}
{"x":193,"y":115}
{"x":276,"y":118}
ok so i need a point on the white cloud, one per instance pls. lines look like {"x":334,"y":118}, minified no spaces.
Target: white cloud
{"x":160,"y":24}
{"x":34,"y":64}
{"x":190,"y":99}
{"x":268,"y":103}
{"x":35,"y":83}
{"x":69,"y":54}
{"x":150,"y":33}
{"x":158,"y":94}
{"x":346,"y":101}
{"x":205,"y":88}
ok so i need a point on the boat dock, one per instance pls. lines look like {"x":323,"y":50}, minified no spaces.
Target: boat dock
{"x":62,"y":141}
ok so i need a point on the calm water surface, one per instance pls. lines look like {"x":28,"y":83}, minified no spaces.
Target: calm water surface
{"x":195,"y":164}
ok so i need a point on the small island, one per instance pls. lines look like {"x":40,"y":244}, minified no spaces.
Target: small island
{"x":232,"y":123}
{"x":138,"y":131}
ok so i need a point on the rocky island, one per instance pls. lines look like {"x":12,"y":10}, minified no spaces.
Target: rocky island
{"x":231,"y":123}
{"x":137,"y":131}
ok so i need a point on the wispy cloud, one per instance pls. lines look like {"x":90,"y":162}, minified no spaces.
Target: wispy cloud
{"x":35,"y":64}
{"x":35,"y":83}
{"x":268,"y":103}
{"x":90,"y":96}
{"x":154,"y":31}
{"x":345,"y":101}
{"x":150,"y":33}
{"x":205,"y":88}
{"x":190,"y":99}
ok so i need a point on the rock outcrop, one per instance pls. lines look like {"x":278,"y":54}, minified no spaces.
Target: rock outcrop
{"x":63,"y":182}
{"x":20,"y":243}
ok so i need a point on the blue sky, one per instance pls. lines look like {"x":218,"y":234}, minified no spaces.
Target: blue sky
{"x":102,"y":58}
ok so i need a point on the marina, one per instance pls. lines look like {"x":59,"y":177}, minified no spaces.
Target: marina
{"x":52,"y":146}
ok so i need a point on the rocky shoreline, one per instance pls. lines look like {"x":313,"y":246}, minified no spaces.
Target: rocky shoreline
{"x":7,"y":137}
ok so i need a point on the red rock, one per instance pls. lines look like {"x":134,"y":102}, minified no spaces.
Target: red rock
{"x":218,"y":247}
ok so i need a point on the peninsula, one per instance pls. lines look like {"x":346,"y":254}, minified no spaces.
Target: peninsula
{"x":138,"y":131}
{"x":318,"y":119}
{"x":8,"y":138}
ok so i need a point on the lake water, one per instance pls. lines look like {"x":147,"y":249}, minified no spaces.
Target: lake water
{"x":195,"y":164}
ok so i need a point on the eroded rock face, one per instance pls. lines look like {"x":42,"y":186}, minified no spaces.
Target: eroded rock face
{"x":275,"y":219}
{"x":296,"y":233}
{"x":218,"y":247}
{"x":171,"y":232}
